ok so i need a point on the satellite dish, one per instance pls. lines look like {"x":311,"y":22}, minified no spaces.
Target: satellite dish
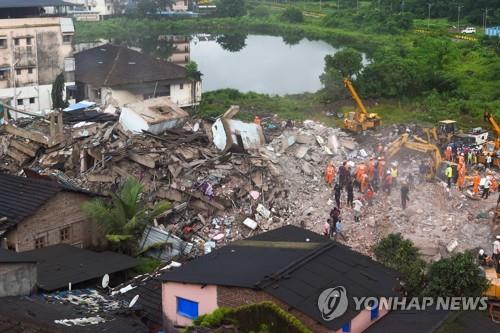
{"x":196,"y":127}
{"x":105,"y":281}
{"x":133,"y":301}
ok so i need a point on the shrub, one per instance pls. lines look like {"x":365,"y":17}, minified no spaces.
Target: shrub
{"x":292,"y":15}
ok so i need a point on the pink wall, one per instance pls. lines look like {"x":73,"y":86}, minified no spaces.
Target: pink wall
{"x":206,"y":298}
{"x":362,"y":321}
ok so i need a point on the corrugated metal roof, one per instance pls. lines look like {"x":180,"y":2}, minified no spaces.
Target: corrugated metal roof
{"x":172,"y":245}
{"x":67,"y":25}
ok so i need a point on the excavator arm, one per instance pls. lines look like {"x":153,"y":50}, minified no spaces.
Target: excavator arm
{"x":417,"y":144}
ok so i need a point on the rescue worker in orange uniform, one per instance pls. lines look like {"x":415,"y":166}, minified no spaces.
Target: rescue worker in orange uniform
{"x":461,"y":176}
{"x":461,"y":159}
{"x":381,"y":168}
{"x":364,"y":183}
{"x":257,"y":120}
{"x":475,"y":183}
{"x":448,"y":153}
{"x":371,"y":169}
{"x":330,"y":173}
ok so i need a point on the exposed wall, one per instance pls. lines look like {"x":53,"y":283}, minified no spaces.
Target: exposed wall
{"x":206,"y":296}
{"x":127,"y":94}
{"x":62,"y":211}
{"x":17,"y":279}
{"x":180,"y":5}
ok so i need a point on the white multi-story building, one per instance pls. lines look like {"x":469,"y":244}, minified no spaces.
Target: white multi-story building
{"x":34,"y":49}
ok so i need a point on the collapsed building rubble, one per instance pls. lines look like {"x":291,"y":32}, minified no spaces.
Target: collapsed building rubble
{"x":224,"y":185}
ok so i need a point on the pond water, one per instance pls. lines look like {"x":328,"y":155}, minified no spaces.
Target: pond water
{"x":264,"y":64}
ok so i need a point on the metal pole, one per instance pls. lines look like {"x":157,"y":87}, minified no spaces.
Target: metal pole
{"x":379,"y":5}
{"x":485,"y":18}
{"x":338,"y":4}
{"x":429,"y":5}
{"x":402,"y":7}
{"x":458,"y":20}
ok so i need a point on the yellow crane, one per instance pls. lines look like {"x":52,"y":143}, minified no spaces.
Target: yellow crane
{"x":360,"y":120}
{"x":494,"y":125}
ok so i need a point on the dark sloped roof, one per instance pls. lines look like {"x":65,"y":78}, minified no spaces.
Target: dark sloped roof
{"x":20,"y":197}
{"x":32,"y":3}
{"x":35,"y":315}
{"x":288,"y":269}
{"x":60,"y":264}
{"x":8,"y":256}
{"x":149,"y":290}
{"x":111,"y":65}
{"x":409,"y":322}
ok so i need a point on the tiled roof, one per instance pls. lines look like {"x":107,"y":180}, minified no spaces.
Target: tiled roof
{"x":61,"y":264}
{"x":111,"y":65}
{"x":20,"y":197}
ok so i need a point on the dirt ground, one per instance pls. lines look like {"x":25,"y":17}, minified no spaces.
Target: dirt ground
{"x":435,"y":217}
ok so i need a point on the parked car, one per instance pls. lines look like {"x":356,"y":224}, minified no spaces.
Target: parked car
{"x":469,"y":30}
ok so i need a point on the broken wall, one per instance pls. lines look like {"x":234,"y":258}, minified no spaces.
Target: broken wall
{"x":228,"y":132}
{"x":17,"y":279}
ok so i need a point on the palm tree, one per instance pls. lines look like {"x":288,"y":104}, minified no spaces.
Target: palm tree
{"x":125,"y":217}
{"x":194,"y":75}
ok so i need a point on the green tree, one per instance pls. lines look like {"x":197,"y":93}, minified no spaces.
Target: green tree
{"x":401,"y":255}
{"x":231,"y":8}
{"x":347,"y":61}
{"x":457,"y":276}
{"x":194,"y":75}
{"x":292,"y":15}
{"x":333,"y":87}
{"x":124,"y":218}
{"x":259,"y":12}
{"x":147,"y":7}
{"x":57,"y":93}
{"x":232,"y":42}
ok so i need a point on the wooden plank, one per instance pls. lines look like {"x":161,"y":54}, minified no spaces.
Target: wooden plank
{"x":93,"y":177}
{"x":24,"y":148}
{"x":147,"y":160}
{"x":33,"y":136}
{"x":272,"y":244}
{"x":17,"y":155}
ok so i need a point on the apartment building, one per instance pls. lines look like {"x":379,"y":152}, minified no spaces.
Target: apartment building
{"x":181,"y":49}
{"x":35,"y":47}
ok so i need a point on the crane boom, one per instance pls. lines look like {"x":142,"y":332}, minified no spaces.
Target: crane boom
{"x":355,"y":96}
{"x":489,"y":117}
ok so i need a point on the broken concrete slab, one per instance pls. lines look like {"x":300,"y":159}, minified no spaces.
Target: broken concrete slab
{"x":301,"y":151}
{"x":250,"y":223}
{"x":263,"y":211}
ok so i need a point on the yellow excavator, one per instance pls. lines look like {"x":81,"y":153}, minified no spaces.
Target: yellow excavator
{"x":491,"y":147}
{"x":416,"y":143}
{"x":360,"y":120}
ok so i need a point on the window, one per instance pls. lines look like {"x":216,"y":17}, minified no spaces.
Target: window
{"x":64,"y":233}
{"x":67,"y":39}
{"x":39,"y":242}
{"x":28,"y":41}
{"x":18,"y":71}
{"x":32,"y":100}
{"x":4,"y":74}
{"x":3,"y":43}
{"x":20,"y":101}
{"x":16,"y":41}
{"x":30,"y":70}
{"x":187,"y":308}
{"x":181,"y":86}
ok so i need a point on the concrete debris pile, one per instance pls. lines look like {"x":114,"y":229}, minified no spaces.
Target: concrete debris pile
{"x":212,"y":191}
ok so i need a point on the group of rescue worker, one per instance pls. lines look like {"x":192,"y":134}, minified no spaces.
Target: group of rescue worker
{"x":368,"y":177}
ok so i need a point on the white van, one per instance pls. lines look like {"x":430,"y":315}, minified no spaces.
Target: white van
{"x":469,"y":30}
